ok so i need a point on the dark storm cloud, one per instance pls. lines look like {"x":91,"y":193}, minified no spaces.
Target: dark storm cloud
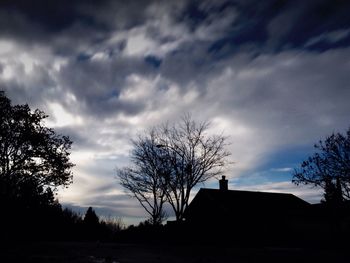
{"x":273,"y":25}
{"x":67,"y":25}
{"x":50,"y":16}
{"x":298,"y":21}
{"x":63,"y":25}
{"x":97,"y":84}
{"x":210,"y":37}
{"x":36,"y":21}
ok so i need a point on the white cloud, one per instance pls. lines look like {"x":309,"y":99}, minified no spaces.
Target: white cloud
{"x":61,"y":117}
{"x":6,"y":47}
{"x":329,"y":37}
{"x":139,"y":44}
{"x":283,"y":170}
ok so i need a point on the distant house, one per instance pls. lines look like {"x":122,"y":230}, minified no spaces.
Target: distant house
{"x":223,"y":204}
{"x":263,"y":218}
{"x":244,"y":211}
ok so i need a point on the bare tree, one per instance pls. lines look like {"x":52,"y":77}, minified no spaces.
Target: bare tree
{"x":169,"y":161}
{"x":143,"y":179}
{"x":191,"y":156}
{"x":328,"y":167}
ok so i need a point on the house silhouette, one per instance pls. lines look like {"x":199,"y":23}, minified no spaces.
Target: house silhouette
{"x":245,"y":215}
{"x":226,"y":205}
{"x":251,"y":218}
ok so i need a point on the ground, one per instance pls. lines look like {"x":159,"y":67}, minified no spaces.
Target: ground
{"x":57,"y":252}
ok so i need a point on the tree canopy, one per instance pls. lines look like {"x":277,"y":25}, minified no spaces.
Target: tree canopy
{"x":31,"y":154}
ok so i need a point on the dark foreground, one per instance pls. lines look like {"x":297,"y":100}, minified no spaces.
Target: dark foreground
{"x":127,"y":253}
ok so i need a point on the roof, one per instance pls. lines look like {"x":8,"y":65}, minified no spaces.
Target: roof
{"x":215,"y":202}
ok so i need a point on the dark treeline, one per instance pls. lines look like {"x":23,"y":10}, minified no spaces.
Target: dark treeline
{"x":321,"y":226}
{"x":24,"y":221}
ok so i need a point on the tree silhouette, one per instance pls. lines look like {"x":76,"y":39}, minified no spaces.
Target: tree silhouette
{"x":144,"y":179}
{"x":333,"y":192}
{"x":328,"y":168}
{"x":29,"y":151}
{"x":170,"y":160}
{"x":91,"y":218}
{"x":92,"y":225}
{"x":34,"y":162}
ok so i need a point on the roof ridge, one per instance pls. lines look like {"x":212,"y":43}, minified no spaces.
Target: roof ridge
{"x":248,"y":191}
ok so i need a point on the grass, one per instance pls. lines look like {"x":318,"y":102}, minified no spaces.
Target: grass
{"x":94,"y":252}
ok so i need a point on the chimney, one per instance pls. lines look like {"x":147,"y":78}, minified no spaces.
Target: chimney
{"x":223,"y":183}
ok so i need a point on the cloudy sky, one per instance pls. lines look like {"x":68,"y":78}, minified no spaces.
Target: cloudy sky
{"x":272,"y":75}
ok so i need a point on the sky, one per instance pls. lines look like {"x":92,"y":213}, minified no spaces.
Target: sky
{"x":274,"y":76}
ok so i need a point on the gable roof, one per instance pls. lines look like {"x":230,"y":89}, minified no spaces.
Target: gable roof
{"x":215,"y":202}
